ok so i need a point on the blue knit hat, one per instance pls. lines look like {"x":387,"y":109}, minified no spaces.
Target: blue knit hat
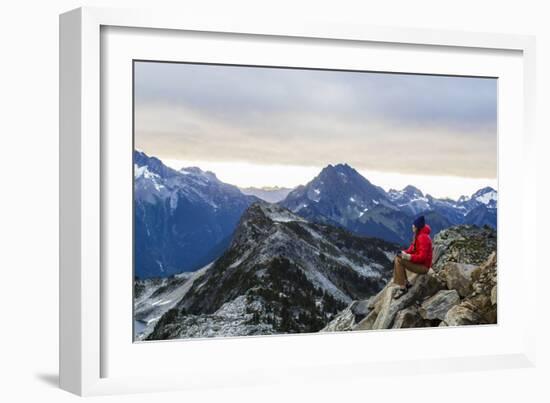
{"x":419,"y":222}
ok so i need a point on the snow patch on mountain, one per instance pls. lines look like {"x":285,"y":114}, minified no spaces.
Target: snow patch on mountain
{"x":363,"y":270}
{"x":231,"y":319}
{"x":158,"y":296}
{"x":487,"y":197}
{"x":321,"y":281}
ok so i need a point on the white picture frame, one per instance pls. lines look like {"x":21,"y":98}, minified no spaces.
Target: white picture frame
{"x":93,"y":361}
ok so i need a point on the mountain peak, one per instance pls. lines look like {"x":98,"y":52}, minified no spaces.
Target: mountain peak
{"x":412,"y":191}
{"x":342,"y":167}
{"x":196,"y":171}
{"x":153,"y":164}
{"x":341,"y":170}
{"x":486,"y":195}
{"x":482,"y":191}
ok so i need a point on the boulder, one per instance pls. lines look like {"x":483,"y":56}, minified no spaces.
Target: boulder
{"x":387,"y":306}
{"x":481,"y":304}
{"x":349,"y":318}
{"x":367,"y":322}
{"x":374,"y":302}
{"x":460,"y":289}
{"x":344,"y":321}
{"x":458,"y":276}
{"x":438,"y":251}
{"x":486,"y":272}
{"x":460,"y":315}
{"x":437,"y":306}
{"x":360,"y":309}
{"x":408,"y":318}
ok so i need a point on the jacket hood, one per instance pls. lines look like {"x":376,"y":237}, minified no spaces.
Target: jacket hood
{"x":425,"y":230}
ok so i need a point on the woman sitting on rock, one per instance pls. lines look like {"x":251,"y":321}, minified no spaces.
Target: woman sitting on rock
{"x":417,"y":258}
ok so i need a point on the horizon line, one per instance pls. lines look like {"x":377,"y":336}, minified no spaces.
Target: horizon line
{"x":309,"y":173}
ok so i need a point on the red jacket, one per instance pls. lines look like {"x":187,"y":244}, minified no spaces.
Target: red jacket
{"x":421,"y":248}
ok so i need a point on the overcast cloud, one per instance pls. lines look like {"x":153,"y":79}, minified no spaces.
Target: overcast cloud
{"x":409,"y":124}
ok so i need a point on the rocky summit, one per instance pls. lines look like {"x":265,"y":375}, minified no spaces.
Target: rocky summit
{"x":460,"y":288}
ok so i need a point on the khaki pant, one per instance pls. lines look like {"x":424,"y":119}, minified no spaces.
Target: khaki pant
{"x":400,"y":267}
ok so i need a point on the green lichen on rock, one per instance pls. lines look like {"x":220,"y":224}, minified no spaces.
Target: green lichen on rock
{"x":464,"y":244}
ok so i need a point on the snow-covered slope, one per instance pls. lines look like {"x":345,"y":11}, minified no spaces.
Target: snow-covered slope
{"x":410,"y":199}
{"x":155,"y":296}
{"x":183,"y":219}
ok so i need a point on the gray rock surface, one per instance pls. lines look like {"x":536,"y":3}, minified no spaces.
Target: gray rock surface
{"x":344,"y":321}
{"x":458,"y":276}
{"x":367,"y":322}
{"x":437,"y":306}
{"x":461,"y":290}
{"x":360,"y":308}
{"x":408,"y":318}
{"x":387,"y":306}
{"x":460,"y":315}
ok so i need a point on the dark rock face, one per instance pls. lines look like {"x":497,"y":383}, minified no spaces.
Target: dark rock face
{"x":182,"y":219}
{"x":481,"y":215}
{"x":337,"y":196}
{"x":437,"y":306}
{"x":460,"y":289}
{"x":280,"y":274}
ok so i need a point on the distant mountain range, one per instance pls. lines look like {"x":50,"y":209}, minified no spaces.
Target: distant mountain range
{"x":341,"y":196}
{"x":185,"y":219}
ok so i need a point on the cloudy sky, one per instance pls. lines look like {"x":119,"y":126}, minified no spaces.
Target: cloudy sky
{"x":257,"y":126}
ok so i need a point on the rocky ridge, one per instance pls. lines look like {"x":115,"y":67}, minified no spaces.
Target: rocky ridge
{"x":460,"y":288}
{"x":280,"y":274}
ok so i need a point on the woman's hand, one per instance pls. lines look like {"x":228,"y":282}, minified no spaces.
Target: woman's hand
{"x":405,"y":256}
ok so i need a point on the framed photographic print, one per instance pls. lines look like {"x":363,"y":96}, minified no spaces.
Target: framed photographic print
{"x":240,"y":198}
{"x":260,"y":207}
